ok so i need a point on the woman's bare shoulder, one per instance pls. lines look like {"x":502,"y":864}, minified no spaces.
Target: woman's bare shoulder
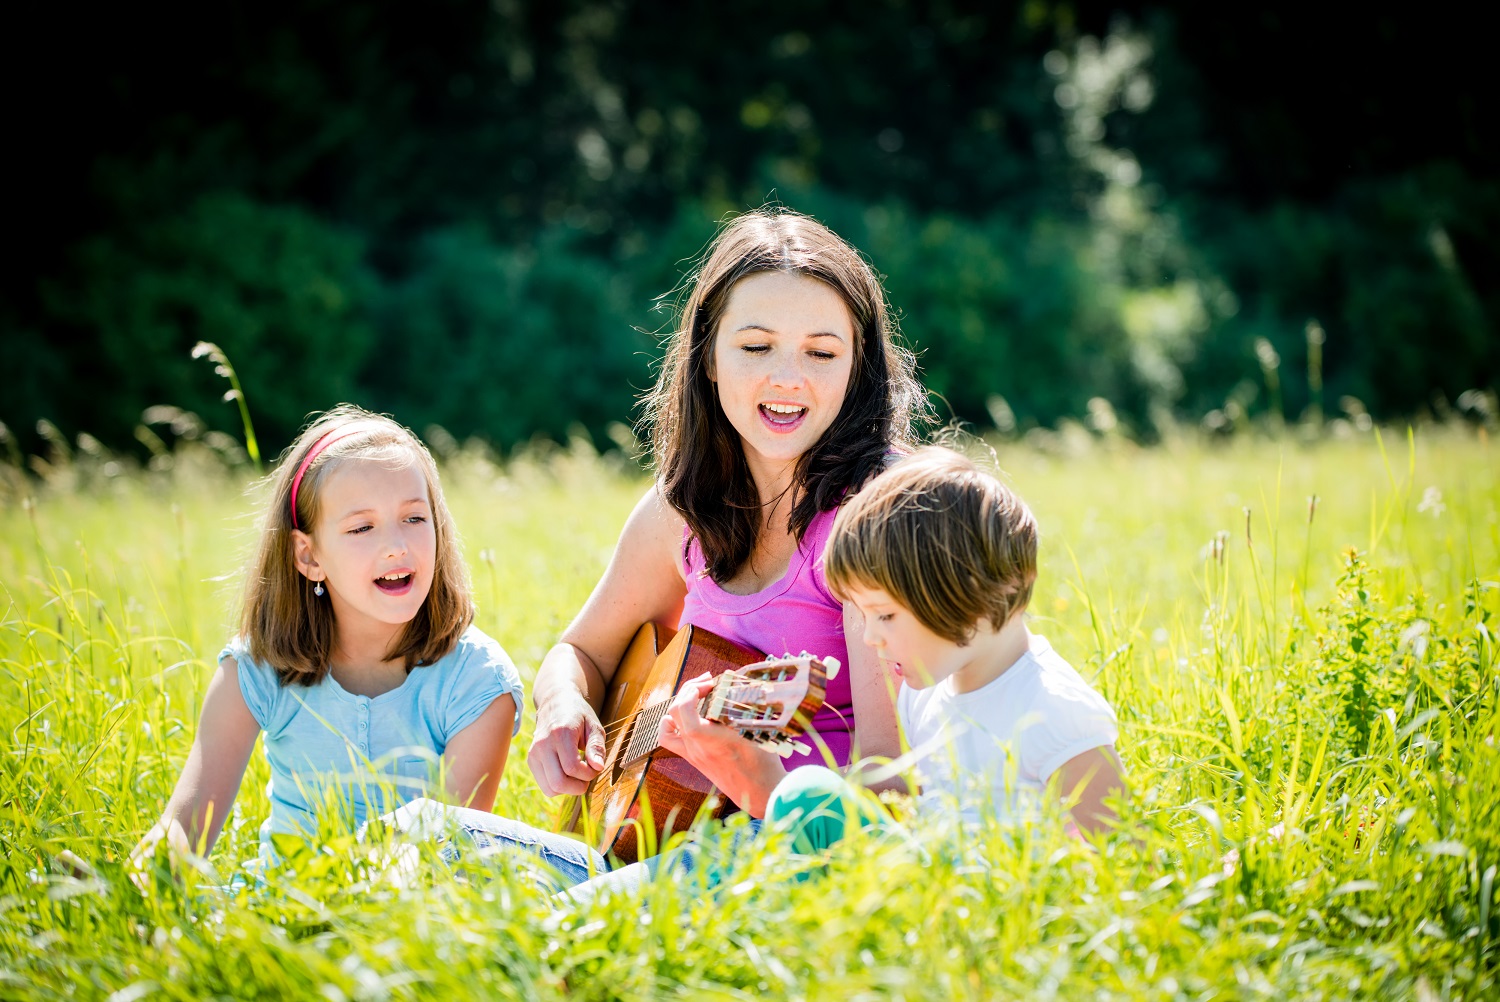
{"x":654,"y":531}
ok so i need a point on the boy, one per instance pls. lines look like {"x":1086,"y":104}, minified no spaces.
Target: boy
{"x":940,"y":559}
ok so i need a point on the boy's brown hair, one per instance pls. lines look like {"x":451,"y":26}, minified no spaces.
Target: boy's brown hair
{"x":943,"y":538}
{"x":288,"y":627}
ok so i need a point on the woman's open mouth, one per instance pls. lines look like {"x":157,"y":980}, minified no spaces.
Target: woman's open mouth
{"x":396,"y":583}
{"x":782,"y":417}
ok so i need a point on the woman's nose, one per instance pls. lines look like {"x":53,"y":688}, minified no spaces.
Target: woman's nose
{"x":787,"y":371}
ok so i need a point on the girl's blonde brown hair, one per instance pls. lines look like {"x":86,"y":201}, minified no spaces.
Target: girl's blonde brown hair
{"x":946,"y":540}
{"x":283,"y":623}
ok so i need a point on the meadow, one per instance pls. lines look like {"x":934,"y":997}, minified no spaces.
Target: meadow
{"x":1306,"y":691}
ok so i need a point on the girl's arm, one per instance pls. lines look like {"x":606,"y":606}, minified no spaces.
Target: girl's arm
{"x":1091,"y":778}
{"x":642,"y":584}
{"x":474,"y":760}
{"x":211,"y":777}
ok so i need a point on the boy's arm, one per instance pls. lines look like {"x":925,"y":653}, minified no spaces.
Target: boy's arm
{"x":1086,"y":781}
{"x":211,"y":776}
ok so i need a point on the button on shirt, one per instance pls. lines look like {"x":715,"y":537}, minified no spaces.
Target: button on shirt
{"x":326,"y":745}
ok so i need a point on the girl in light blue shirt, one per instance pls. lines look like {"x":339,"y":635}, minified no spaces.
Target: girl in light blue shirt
{"x":356,"y":655}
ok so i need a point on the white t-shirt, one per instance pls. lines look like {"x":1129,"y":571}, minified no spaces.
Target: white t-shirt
{"x":1001,"y":743}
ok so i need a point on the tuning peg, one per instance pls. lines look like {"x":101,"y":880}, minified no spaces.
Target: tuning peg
{"x":831,"y":667}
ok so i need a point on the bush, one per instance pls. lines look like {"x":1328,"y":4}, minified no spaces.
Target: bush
{"x":282,"y":293}
{"x":507,"y":343}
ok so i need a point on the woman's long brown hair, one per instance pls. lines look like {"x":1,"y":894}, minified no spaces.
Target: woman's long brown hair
{"x":700,"y":464}
{"x":291,"y":629}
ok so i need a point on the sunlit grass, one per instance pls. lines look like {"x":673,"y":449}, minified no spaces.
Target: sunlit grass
{"x":1307,"y":700}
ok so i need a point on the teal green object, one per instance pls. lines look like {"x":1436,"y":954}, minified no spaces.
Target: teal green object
{"x":820,"y":806}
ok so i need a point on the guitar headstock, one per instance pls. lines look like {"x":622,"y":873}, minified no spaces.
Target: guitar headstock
{"x":771,"y":700}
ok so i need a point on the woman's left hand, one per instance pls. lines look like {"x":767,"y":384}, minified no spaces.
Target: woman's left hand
{"x":744,"y":771}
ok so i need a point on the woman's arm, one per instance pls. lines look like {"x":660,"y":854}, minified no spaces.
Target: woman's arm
{"x":642,"y":584}
{"x":877,"y":733}
{"x":1091,"y":778}
{"x":211,"y":777}
{"x":747,"y":772}
{"x":474,"y":760}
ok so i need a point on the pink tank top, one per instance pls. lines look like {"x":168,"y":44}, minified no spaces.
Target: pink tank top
{"x":795,"y":614}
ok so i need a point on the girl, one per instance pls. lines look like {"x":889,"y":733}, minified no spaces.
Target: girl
{"x":356,"y":656}
{"x":782,"y":391}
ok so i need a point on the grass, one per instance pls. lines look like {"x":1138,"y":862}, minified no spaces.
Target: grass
{"x":1308,"y":714}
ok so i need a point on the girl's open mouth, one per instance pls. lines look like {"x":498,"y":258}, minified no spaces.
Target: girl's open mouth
{"x":395,"y":584}
{"x":782,"y":417}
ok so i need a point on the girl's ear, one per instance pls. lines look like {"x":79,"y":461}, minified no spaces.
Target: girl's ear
{"x":302,"y":556}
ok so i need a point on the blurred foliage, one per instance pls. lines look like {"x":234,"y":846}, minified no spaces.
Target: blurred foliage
{"x":465,"y":212}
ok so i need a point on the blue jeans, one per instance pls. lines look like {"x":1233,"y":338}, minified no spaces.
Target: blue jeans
{"x":570,"y":865}
{"x":467,"y":834}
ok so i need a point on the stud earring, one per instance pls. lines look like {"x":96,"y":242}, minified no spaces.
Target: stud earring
{"x":318,"y":589}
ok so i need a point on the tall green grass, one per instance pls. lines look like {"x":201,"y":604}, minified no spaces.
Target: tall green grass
{"x":1307,"y":699}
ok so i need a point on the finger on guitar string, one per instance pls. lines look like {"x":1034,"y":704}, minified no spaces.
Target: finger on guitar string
{"x":590,"y":759}
{"x":566,"y":757}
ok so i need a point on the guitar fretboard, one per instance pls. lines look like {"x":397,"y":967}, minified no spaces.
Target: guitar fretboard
{"x":645,"y":736}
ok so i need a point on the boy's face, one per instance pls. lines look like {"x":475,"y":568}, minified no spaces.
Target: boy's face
{"x":918,"y":656}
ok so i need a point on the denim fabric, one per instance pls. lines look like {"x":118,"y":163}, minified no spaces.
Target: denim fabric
{"x":568,"y":865}
{"x":468,"y":834}
{"x":710,"y":862}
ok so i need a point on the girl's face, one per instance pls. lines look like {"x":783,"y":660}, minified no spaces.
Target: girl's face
{"x":782,"y":358}
{"x":374,"y":546}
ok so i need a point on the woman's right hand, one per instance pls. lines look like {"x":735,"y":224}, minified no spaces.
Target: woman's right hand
{"x":568,"y":750}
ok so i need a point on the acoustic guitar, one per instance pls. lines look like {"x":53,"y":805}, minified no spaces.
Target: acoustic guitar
{"x":644,"y":786}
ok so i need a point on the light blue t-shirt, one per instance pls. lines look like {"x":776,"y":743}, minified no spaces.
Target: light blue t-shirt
{"x":321,"y":735}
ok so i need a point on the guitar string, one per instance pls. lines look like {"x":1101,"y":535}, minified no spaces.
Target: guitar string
{"x":614,"y":728}
{"x":659,"y":710}
{"x":647,"y":737}
{"x":647,"y":734}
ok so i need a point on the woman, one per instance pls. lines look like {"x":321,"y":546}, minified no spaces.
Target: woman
{"x":782,"y":392}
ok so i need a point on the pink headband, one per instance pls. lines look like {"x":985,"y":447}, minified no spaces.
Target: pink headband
{"x":352,"y":428}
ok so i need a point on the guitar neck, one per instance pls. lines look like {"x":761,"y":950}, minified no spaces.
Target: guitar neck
{"x":645,"y":736}
{"x":765,"y":701}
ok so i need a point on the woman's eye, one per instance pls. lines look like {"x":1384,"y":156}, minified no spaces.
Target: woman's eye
{"x":360,"y":528}
{"x":823,"y":356}
{"x":886,"y":617}
{"x":755,"y":349}
{"x":416,"y":519}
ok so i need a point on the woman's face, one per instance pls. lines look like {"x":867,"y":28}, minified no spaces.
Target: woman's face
{"x":782,"y":358}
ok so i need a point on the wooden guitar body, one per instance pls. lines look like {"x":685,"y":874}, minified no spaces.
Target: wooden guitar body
{"x":645,"y":788}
